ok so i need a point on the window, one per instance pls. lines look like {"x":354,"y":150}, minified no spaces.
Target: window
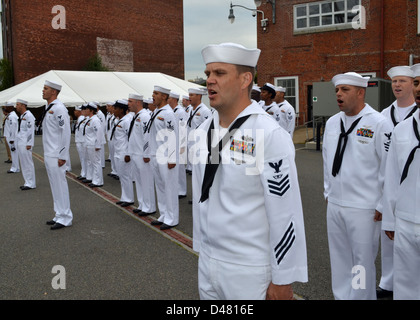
{"x":292,"y":89}
{"x":324,"y":15}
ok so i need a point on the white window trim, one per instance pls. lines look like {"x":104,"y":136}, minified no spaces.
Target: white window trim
{"x":296,"y":78}
{"x":321,"y":28}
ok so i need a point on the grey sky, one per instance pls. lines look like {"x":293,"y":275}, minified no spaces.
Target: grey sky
{"x":206,"y":22}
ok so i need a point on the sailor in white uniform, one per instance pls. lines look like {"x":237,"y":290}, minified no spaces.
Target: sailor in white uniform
{"x":79,"y":112}
{"x":286,"y":113}
{"x":197,"y":114}
{"x":355,"y":146}
{"x":181,"y":120}
{"x":267,"y":95}
{"x":56,"y":133}
{"x":123,"y":163}
{"x":93,"y":135}
{"x":142,"y":172}
{"x":402,"y":108}
{"x":160,"y":150}
{"x":25,"y":142}
{"x":10,"y":133}
{"x":401,"y":209}
{"x":247,"y":213}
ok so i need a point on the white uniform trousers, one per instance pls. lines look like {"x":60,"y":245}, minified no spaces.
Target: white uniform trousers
{"x":166,"y":181}
{"x":102,"y":156}
{"x":59,"y":190}
{"x":182,"y":180}
{"x":145,"y":186}
{"x":124,"y":173}
{"x":15,"y":157}
{"x":387,"y":262}
{"x":219,"y":280}
{"x":406,"y":260}
{"x":111,"y":157}
{"x":81,"y":151}
{"x":27,"y":166}
{"x":94,"y":169}
{"x":353,"y":239}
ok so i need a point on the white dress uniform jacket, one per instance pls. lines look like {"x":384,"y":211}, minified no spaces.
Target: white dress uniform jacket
{"x":79,"y":140}
{"x":26,"y":137}
{"x":393,"y":115}
{"x":181,"y":117}
{"x":253,"y":215}
{"x":398,"y":198}
{"x":367,"y":146}
{"x":286,"y":117}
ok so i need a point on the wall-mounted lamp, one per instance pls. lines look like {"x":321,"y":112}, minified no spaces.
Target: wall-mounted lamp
{"x":273,"y":5}
{"x":264,"y":21}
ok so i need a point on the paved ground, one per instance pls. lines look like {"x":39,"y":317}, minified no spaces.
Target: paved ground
{"x":109,"y":253}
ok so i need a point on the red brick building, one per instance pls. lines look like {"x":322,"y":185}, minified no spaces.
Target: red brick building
{"x":312,"y":41}
{"x":129,"y":35}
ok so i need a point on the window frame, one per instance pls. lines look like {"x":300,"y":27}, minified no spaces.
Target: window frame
{"x":347,"y":12}
{"x":296,"y":96}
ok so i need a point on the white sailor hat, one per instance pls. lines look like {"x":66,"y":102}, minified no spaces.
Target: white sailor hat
{"x":256,"y":88}
{"x":174,"y":95}
{"x":110,"y":103}
{"x":269,"y":87}
{"x":162,"y":90}
{"x":148,"y":100}
{"x":53,"y":85}
{"x":350,"y":78}
{"x":92,"y":105}
{"x":416,"y":70}
{"x":22,"y":101}
{"x":121,"y":103}
{"x":280,"y":89}
{"x":78,"y":108}
{"x":135,"y":96}
{"x":197,"y":91}
{"x":185,"y":97}
{"x":232,"y":53}
{"x":402,"y":71}
{"x":9,"y":104}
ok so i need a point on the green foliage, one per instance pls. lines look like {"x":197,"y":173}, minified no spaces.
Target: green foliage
{"x":6,"y":74}
{"x":95,"y":64}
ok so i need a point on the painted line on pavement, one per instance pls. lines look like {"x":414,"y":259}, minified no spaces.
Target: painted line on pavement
{"x":172,"y":234}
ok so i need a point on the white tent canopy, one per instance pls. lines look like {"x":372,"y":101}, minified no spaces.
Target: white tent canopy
{"x":85,"y":86}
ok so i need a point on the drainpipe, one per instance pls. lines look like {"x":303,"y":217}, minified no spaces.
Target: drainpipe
{"x":382,"y":34}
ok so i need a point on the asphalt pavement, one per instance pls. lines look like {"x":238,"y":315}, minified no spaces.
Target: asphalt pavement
{"x":110,"y":253}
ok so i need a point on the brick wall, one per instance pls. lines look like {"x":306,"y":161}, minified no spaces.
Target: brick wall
{"x":315,"y":57}
{"x":153,"y":27}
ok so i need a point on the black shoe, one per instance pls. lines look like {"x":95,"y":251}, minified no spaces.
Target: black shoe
{"x":180,"y":196}
{"x":95,"y":185}
{"x":126,"y":204}
{"x":26,"y":188}
{"x":143,"y":214}
{"x":136,"y":210}
{"x":156,"y":223}
{"x":86,"y":181}
{"x":108,"y":160}
{"x":382,"y":293}
{"x":8,"y":161}
{"x":119,"y":202}
{"x":189,"y":201}
{"x":81,"y":178}
{"x":10,"y":171}
{"x":57,"y":226}
{"x":166,"y":227}
{"x":50,"y":222}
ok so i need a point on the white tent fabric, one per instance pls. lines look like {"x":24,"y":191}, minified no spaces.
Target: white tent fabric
{"x":85,"y":86}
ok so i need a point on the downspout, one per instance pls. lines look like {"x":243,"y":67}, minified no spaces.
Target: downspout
{"x":382,"y":34}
